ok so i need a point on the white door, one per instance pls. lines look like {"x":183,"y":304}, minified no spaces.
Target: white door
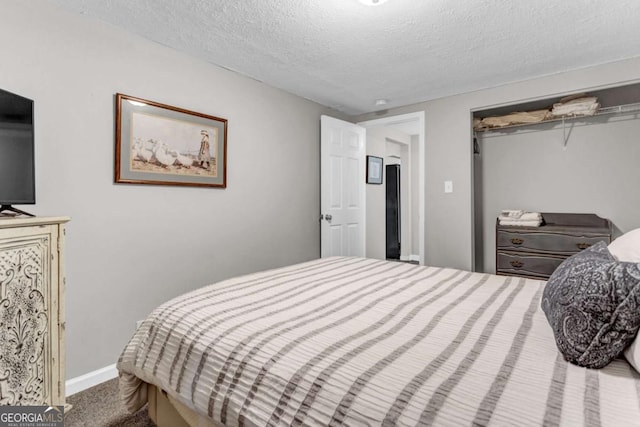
{"x":342,"y":188}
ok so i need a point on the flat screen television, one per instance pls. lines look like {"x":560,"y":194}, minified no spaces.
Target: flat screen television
{"x":17,"y":159}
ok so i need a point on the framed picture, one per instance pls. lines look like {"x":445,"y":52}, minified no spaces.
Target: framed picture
{"x":163,"y":145}
{"x":374,"y":170}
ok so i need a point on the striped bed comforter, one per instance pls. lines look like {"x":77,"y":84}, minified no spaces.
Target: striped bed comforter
{"x":354,"y":341}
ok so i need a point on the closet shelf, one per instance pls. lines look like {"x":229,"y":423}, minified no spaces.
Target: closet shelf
{"x":617,"y":109}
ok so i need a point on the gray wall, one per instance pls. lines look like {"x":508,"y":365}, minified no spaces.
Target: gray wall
{"x":415,"y":195}
{"x":376,"y":146}
{"x":130,"y":248}
{"x":449,"y":218}
{"x":597,"y":172}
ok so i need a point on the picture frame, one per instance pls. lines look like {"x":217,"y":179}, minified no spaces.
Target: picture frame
{"x":374,"y":170}
{"x":158,"y":144}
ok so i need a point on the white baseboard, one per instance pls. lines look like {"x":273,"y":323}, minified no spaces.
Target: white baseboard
{"x":415,"y":258}
{"x":83,"y":382}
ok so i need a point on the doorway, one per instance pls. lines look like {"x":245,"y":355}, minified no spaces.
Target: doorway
{"x":343,"y":239}
{"x":412,"y":227}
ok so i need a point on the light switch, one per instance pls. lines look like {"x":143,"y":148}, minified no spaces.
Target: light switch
{"x":448,"y":186}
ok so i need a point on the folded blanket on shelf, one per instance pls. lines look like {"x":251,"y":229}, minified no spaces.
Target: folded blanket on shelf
{"x":586,"y":106}
{"x":519,"y":117}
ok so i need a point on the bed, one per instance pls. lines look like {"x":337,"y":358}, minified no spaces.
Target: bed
{"x":363,"y":342}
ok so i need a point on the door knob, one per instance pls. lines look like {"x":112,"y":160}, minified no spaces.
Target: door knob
{"x":328,"y":217}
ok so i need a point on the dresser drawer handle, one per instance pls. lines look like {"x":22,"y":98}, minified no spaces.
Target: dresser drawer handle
{"x":516,"y":264}
{"x":517,"y":241}
{"x":582,"y":246}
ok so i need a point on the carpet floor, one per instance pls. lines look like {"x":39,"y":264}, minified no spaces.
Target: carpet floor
{"x":100,"y":406}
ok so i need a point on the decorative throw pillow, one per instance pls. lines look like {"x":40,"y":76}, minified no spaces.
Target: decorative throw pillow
{"x":592,"y":303}
{"x":627,"y":247}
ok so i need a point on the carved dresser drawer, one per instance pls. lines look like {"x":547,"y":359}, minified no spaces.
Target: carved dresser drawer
{"x":529,"y":265}
{"x":537,"y":251}
{"x":32,"y":311}
{"x":542,"y":242}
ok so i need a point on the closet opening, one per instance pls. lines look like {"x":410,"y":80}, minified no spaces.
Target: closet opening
{"x":572,"y":164}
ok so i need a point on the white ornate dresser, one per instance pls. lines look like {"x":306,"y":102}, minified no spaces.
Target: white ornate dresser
{"x":32,"y":324}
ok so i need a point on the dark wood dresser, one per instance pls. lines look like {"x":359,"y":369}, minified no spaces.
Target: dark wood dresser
{"x":536,"y":252}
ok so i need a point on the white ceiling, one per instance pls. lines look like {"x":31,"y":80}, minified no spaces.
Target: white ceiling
{"x":345,"y":55}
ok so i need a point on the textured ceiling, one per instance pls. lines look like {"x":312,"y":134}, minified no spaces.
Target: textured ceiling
{"x":345,"y":55}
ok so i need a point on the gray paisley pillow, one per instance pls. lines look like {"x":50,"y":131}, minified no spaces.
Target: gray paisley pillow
{"x":592,"y":303}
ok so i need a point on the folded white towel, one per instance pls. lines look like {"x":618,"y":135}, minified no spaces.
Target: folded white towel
{"x":520,"y":223}
{"x":512,"y":213}
{"x":531,"y":216}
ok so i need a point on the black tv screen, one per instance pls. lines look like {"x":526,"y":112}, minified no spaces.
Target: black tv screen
{"x":17,"y":168}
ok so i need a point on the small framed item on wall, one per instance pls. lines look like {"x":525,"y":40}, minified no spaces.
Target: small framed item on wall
{"x":374,"y":170}
{"x":164,"y":145}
